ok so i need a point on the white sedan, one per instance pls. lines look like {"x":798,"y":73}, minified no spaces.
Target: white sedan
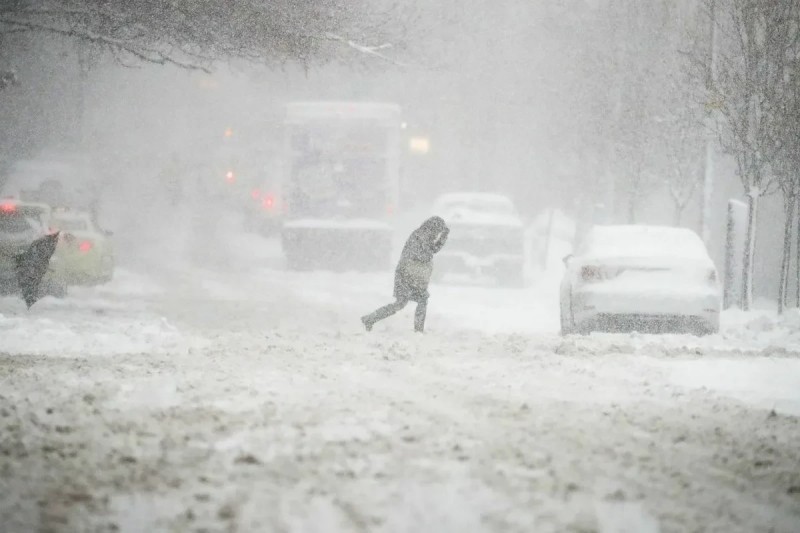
{"x":640,"y":278}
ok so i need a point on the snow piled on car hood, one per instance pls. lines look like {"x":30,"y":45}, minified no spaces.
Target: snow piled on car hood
{"x":656,"y":242}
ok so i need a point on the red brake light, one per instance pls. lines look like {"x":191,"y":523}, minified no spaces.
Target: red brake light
{"x":591,"y":273}
{"x":268,"y":202}
{"x":8,"y":208}
{"x":85,"y":246}
{"x":598,"y":273}
{"x":230,"y":177}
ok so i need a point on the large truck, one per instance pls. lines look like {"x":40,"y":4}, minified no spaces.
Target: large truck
{"x":341,"y":184}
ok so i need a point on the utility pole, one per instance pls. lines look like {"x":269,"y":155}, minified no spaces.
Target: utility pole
{"x":708,"y":178}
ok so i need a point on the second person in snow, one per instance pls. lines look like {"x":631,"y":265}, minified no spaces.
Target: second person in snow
{"x":413,"y":273}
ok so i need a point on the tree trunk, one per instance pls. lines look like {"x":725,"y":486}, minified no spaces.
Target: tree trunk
{"x":679,"y":214}
{"x":633,"y":198}
{"x":797,"y":261}
{"x":786,"y":260}
{"x":749,"y":249}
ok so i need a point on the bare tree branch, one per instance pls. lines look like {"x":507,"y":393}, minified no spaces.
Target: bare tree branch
{"x":193,"y":34}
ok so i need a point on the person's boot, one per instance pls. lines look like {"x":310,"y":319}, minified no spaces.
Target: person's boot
{"x":368,"y":323}
{"x":419,"y":316}
{"x":419,"y":323}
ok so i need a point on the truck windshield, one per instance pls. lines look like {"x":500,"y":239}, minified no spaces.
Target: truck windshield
{"x":338,"y":170}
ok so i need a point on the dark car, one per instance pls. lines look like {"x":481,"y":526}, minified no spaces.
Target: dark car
{"x":20,"y":224}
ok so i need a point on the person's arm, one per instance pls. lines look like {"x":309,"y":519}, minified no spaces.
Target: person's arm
{"x":414,"y":249}
{"x":440,"y":240}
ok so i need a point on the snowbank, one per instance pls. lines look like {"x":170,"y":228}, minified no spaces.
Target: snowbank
{"x":63,"y":336}
{"x":763,"y":329}
{"x":763,"y":382}
{"x":110,"y":319}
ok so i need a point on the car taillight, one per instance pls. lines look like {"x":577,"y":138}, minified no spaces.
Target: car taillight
{"x":85,"y":246}
{"x":591,"y":273}
{"x":8,"y":208}
{"x":230,"y":177}
{"x":268,"y":202}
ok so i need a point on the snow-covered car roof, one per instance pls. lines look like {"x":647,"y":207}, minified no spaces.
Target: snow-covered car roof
{"x":643,"y":241}
{"x":477,"y":208}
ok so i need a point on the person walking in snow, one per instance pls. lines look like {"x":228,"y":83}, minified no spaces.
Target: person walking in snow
{"x":413,"y":273}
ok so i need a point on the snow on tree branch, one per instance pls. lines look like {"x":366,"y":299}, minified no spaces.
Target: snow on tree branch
{"x":193,"y":34}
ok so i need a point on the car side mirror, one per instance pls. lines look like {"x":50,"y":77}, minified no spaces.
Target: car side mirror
{"x":566,"y":259}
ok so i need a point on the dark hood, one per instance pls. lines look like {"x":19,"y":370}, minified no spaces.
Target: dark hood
{"x":433,"y":226}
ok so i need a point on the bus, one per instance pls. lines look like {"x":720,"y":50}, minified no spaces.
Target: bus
{"x":341,"y":184}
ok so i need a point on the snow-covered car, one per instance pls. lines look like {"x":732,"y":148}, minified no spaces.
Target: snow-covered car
{"x":640,"y":278}
{"x":85,"y":252}
{"x":486,"y":238}
{"x":21,"y":223}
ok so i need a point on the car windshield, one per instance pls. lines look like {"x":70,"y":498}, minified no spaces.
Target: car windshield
{"x":15,"y":222}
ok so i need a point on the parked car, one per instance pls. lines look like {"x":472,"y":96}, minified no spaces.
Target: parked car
{"x":486,"y":238}
{"x":85,"y":252}
{"x":640,"y":278}
{"x":21,"y":223}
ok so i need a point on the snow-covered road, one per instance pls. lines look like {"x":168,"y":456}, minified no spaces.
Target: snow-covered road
{"x":250,"y":399}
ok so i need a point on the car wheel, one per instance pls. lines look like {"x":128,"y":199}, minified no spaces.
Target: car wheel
{"x":701,"y":330}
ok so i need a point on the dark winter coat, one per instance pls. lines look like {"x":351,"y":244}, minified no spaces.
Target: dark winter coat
{"x":413,"y":272}
{"x":32,"y":265}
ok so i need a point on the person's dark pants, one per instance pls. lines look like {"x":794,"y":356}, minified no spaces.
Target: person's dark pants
{"x":388,"y":310}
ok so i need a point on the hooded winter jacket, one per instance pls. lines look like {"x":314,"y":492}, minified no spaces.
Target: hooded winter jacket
{"x":413,"y":272}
